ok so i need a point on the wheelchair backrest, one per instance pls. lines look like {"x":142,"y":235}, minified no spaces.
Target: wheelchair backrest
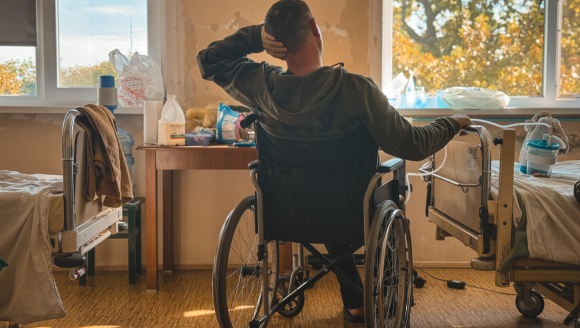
{"x":313,"y":191}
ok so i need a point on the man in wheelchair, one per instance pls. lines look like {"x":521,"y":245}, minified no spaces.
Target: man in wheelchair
{"x":318,"y":133}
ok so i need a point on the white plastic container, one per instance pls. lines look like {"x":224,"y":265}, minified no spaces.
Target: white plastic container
{"x":151,"y":116}
{"x":172,"y":124}
{"x":541,"y":155}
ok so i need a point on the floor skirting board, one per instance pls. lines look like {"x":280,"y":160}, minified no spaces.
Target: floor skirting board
{"x":447,"y":265}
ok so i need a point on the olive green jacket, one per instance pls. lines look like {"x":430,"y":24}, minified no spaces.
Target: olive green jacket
{"x":321,"y":105}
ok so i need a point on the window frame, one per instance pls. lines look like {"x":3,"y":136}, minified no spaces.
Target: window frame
{"x":519,"y":104}
{"x":54,"y":99}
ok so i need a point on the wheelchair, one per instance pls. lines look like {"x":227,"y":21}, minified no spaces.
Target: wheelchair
{"x":315,"y":201}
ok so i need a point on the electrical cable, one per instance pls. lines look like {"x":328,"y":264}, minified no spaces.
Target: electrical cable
{"x":445,"y":156}
{"x":472,"y":286}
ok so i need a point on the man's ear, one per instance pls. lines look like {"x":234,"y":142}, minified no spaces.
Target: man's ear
{"x":314,"y":27}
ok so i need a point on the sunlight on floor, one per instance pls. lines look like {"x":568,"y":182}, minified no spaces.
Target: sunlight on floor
{"x":205,"y":312}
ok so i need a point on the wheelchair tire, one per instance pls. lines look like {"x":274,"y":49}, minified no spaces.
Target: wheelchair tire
{"x":295,"y":306}
{"x":237,"y":276}
{"x":389,"y":269}
{"x":536,"y":307}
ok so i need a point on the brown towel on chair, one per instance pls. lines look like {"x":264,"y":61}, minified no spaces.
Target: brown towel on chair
{"x":107,"y":172}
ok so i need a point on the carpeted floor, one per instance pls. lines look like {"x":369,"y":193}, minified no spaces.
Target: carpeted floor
{"x":184,"y":300}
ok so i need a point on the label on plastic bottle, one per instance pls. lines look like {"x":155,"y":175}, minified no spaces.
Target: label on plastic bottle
{"x":177,"y":131}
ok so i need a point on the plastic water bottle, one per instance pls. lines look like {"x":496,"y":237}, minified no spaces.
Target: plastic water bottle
{"x":127,"y":144}
{"x":410,"y":92}
{"x":106,"y":96}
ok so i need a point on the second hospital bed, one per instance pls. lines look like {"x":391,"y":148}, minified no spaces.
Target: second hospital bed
{"x":70,"y":226}
{"x":473,"y":199}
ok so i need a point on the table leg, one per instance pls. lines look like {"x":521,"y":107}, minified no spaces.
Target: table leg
{"x":151,"y":225}
{"x":167,"y":221}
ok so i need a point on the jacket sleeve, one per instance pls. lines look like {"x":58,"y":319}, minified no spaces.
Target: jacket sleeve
{"x":225,"y":62}
{"x":395,"y":135}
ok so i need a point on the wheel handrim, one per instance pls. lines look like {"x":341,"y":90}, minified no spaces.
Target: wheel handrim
{"x":392,"y":302}
{"x":243,"y":278}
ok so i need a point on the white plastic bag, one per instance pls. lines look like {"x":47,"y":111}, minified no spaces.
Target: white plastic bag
{"x":139,"y":79}
{"x":474,"y":98}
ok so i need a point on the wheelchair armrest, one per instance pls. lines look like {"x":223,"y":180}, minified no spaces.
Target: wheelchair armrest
{"x":253,"y":165}
{"x":390,"y":165}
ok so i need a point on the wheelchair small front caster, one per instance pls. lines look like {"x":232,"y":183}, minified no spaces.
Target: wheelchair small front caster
{"x":419,"y":282}
{"x":533,"y":309}
{"x":295,"y":306}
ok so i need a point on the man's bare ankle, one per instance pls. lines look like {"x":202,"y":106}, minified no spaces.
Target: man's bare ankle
{"x":357,"y":312}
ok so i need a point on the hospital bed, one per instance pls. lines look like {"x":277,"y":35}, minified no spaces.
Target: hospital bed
{"x":463,"y":204}
{"x":75,"y":225}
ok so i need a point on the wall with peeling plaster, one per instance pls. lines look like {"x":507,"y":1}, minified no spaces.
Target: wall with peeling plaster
{"x":30,"y":143}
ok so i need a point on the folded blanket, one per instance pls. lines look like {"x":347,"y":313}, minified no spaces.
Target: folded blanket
{"x":107,"y":172}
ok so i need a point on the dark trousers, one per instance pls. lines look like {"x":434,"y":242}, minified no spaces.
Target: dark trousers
{"x":349,"y":298}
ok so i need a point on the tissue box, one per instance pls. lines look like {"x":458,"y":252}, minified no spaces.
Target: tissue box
{"x":197,"y":139}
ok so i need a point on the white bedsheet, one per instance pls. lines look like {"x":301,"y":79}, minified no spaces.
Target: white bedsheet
{"x":553,"y":214}
{"x":28,"y":291}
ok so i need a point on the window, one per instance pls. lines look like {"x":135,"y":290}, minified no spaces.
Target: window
{"x":74,"y":40}
{"x":507,"y":45}
{"x":17,"y":71}
{"x":569,"y":77}
{"x":88,"y":30}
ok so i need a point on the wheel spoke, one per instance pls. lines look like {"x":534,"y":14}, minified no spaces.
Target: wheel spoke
{"x":240,"y":282}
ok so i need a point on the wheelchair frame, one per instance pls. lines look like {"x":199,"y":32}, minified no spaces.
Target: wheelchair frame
{"x":559,"y":282}
{"x":396,"y":166}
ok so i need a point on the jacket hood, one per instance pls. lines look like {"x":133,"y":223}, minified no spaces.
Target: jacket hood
{"x":294,"y":99}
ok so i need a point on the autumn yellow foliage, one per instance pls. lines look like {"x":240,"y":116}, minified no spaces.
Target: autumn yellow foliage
{"x":490,"y":44}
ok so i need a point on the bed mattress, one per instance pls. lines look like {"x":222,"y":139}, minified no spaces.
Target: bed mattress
{"x":56,"y":212}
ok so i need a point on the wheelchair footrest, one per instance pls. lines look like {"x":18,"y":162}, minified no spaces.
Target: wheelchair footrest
{"x":74,"y":260}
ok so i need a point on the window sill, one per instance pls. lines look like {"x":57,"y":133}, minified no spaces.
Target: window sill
{"x":515,"y":112}
{"x":409,"y":112}
{"x":59,"y":110}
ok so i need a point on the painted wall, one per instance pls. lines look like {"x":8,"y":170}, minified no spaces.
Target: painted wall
{"x":30,"y":143}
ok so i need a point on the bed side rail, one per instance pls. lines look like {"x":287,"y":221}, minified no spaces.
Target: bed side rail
{"x":484,"y":181}
{"x":68,"y":168}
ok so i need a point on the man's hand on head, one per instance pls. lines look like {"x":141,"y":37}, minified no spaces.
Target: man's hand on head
{"x":272,"y":47}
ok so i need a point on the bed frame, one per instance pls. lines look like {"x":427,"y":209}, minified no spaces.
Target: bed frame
{"x":86,"y":223}
{"x":491,"y":237}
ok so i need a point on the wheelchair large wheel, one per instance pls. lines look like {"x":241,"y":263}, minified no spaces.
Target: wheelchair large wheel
{"x":389,"y":269}
{"x":237,"y":275}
